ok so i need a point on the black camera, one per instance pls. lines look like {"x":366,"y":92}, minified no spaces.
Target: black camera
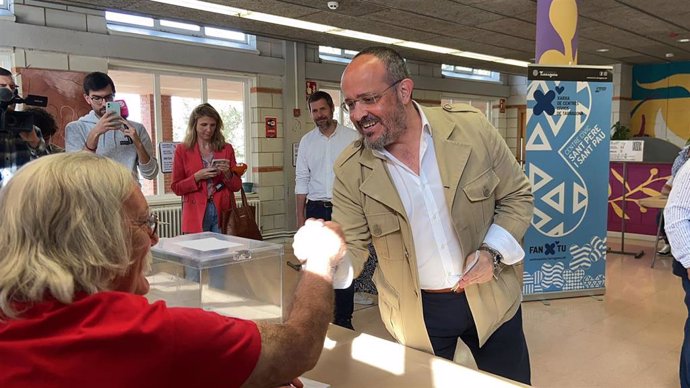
{"x":15,"y":122}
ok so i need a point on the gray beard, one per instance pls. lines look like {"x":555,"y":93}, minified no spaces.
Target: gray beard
{"x":390,"y":136}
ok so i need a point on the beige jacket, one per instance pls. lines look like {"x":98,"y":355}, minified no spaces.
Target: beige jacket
{"x":484,"y":185}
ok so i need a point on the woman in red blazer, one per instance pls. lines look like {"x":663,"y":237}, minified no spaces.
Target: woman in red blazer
{"x":206,"y":187}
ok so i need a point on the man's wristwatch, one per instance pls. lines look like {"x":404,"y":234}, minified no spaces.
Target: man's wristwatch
{"x":497,"y":257}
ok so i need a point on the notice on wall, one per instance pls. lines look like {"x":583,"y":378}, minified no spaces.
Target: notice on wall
{"x":626,"y":150}
{"x":166,"y":150}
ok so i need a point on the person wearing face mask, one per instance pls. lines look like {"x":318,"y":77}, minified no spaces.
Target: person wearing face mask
{"x":317,"y":152}
{"x":75,"y":243}
{"x":445,"y":203}
{"x":207,"y":188}
{"x":106,"y":133}
{"x":16,"y":149}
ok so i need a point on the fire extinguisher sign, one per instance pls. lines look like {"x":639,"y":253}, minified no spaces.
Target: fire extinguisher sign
{"x":271,"y":127}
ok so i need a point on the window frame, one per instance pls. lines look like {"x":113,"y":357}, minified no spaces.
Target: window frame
{"x":161,"y":32}
{"x":470,"y":73}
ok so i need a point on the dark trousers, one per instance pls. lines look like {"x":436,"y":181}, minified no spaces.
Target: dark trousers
{"x":685,"y":349}
{"x":344,"y":299}
{"x":448,"y":317}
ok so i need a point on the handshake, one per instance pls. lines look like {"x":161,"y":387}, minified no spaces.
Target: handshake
{"x":239,"y":169}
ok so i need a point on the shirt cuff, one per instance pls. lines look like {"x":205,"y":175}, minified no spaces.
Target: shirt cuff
{"x":344,"y":274}
{"x":502,"y":241}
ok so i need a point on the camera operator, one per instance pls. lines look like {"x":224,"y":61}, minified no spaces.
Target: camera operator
{"x":16,"y":148}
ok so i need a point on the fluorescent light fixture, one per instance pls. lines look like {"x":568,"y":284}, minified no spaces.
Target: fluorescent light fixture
{"x":283,"y":21}
{"x":427,"y":47}
{"x":481,"y":57}
{"x":683,"y":40}
{"x":514,"y":62}
{"x":602,"y":50}
{"x":181,"y":26}
{"x":316,"y":27}
{"x":205,"y":6}
{"x":364,"y":36}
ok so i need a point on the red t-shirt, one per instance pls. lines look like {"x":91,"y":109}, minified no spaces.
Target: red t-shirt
{"x":115,"y":339}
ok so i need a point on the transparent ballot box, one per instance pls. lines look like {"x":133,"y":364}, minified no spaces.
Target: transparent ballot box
{"x":229,"y":275}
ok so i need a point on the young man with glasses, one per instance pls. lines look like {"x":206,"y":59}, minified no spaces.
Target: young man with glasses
{"x":105,"y":133}
{"x":440,"y":195}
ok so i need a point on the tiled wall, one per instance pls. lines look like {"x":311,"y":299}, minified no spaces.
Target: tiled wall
{"x":266,"y":98}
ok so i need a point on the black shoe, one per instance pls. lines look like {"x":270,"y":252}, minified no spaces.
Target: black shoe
{"x":345,"y":323}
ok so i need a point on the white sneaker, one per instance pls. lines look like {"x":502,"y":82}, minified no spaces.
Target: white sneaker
{"x":363,"y":298}
{"x":665,"y":250}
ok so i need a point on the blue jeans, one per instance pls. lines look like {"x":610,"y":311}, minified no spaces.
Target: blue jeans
{"x":210,"y":224}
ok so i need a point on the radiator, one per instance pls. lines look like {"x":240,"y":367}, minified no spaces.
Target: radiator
{"x":170,"y":217}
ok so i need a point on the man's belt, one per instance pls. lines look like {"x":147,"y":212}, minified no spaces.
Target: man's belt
{"x":321,"y":203}
{"x":445,"y":291}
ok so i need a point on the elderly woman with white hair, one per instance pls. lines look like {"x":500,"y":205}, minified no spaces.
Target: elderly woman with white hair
{"x":75,"y":238}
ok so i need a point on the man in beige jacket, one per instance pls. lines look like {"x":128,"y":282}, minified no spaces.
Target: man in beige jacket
{"x":444,"y":202}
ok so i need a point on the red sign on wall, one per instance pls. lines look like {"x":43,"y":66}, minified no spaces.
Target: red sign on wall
{"x":271,"y":127}
{"x":311,"y":88}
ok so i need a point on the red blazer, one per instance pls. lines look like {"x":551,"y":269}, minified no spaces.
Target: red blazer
{"x":194,"y":195}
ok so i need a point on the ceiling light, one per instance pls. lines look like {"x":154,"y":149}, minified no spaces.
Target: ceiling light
{"x":283,"y":21}
{"x":684,"y":40}
{"x":427,"y":47}
{"x":363,"y":36}
{"x":514,"y":62}
{"x":205,"y":6}
{"x":481,"y":57}
{"x":602,"y":50}
{"x":669,"y":55}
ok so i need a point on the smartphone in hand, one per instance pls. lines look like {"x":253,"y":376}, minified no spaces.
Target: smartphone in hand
{"x":220,"y":162}
{"x":112,"y":106}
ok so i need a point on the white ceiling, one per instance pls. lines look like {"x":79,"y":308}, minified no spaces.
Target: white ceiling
{"x":634,"y":31}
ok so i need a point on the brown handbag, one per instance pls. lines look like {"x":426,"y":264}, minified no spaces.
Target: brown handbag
{"x":239,"y":221}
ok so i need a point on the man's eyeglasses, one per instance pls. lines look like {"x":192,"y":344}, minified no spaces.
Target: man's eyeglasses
{"x":368,"y":99}
{"x":98,"y":99}
{"x":151,"y":221}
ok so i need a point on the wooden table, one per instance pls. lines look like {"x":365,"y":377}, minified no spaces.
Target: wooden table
{"x":351,"y":359}
{"x":656,"y":202}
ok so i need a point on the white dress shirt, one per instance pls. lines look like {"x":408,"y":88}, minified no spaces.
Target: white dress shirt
{"x":315,"y":158}
{"x":440,"y":259}
{"x":677,"y":216}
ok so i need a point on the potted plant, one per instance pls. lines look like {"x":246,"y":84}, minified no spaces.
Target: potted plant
{"x":620,"y":132}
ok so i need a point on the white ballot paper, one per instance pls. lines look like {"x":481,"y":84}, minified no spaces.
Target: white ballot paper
{"x":208,"y":244}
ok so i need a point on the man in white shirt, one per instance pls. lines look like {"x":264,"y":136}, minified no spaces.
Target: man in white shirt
{"x":677,"y":216}
{"x":317,"y":152}
{"x":445,"y":203}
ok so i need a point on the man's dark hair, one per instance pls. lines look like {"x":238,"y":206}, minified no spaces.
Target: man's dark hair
{"x":321,"y":95}
{"x":392,"y":60}
{"x":97,"y":81}
{"x":5,"y":73}
{"x":43,"y":120}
